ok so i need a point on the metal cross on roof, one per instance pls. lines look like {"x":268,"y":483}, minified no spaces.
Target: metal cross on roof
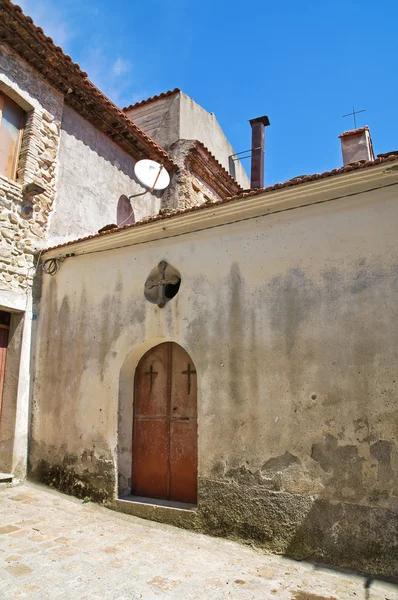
{"x":354,"y":112}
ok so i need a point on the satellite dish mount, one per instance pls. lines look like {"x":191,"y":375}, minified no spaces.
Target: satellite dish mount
{"x":152,"y":175}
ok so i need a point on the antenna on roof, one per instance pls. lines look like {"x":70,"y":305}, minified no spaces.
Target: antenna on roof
{"x":151,"y":175}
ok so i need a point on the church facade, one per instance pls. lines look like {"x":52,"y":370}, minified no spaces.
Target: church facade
{"x":219,"y":359}
{"x":239,"y":359}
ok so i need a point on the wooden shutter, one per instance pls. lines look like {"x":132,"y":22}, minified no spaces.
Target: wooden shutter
{"x":11,"y":127}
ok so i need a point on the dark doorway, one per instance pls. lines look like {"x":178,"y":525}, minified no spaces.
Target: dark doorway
{"x":5,"y":318}
{"x":165,"y":425}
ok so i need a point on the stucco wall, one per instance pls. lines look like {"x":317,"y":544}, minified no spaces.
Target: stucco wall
{"x":94,"y":172}
{"x":291,"y":321}
{"x":197,"y":124}
{"x":160,"y":119}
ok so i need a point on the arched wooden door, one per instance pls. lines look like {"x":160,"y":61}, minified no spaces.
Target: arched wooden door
{"x":165,"y":425}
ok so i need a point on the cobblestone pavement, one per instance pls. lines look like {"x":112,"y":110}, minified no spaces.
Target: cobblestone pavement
{"x":54,"y":547}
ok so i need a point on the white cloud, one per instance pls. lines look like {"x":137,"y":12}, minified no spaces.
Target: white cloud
{"x":121,"y":66}
{"x":54,"y":21}
{"x":91,"y":48}
{"x":105,"y":72}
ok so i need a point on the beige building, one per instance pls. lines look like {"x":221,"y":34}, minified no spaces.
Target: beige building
{"x":228,"y":361}
{"x":286,"y":312}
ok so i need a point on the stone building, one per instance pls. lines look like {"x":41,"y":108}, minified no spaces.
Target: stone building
{"x":227,"y":362}
{"x":67,"y":157}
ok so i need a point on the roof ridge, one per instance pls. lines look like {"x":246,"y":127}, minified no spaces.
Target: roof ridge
{"x":354,"y":131}
{"x":201,"y":145}
{"x":152,"y":99}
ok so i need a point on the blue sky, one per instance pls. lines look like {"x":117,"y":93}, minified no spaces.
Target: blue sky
{"x":304,"y":64}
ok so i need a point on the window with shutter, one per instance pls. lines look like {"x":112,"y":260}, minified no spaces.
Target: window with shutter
{"x":12,"y":119}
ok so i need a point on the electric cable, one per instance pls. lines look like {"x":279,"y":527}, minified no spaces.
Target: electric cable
{"x":51,"y":265}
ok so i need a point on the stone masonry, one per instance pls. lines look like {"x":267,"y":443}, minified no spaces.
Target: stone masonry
{"x":21,"y":236}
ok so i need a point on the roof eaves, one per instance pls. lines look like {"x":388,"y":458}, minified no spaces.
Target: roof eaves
{"x":29,"y":41}
{"x":247,"y":194}
{"x":316,"y":176}
{"x":199,"y":157}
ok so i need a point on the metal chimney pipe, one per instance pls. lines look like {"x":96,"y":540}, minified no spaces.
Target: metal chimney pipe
{"x":258,"y":141}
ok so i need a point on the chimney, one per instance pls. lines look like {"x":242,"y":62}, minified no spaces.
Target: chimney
{"x":356,"y":145}
{"x":258,"y":137}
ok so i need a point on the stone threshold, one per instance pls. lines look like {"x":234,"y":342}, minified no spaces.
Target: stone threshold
{"x":6,"y":477}
{"x":180,"y":514}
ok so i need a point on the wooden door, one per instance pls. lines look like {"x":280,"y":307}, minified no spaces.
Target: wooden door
{"x":4,"y":329}
{"x":165,"y":425}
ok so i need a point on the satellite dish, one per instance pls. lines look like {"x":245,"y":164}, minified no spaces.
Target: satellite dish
{"x":151,"y":174}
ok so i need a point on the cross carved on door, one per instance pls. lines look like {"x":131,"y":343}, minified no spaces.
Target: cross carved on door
{"x":151,"y":373}
{"x":189,"y":373}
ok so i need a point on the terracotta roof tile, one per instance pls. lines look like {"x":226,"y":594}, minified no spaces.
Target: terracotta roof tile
{"x":205,"y":164}
{"x":354,"y":131}
{"x":387,"y":154}
{"x":246,"y":194}
{"x":26,"y":39}
{"x":149,"y":100}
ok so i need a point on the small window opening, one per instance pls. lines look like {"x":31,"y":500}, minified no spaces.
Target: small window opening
{"x":125,"y":212}
{"x":171,"y":289}
{"x":12,"y":120}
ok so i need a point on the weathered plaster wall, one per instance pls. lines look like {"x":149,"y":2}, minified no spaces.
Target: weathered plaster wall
{"x":291,"y":321}
{"x":160,"y":119}
{"x":94,"y":173}
{"x":197,"y":124}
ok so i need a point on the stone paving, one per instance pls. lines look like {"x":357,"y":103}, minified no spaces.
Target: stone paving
{"x":55,"y":547}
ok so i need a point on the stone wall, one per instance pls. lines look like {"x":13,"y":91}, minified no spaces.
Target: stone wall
{"x":186,"y":188}
{"x":21,"y":236}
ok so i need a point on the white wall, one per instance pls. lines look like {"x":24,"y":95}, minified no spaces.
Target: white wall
{"x":160,"y":119}
{"x":93,"y":173}
{"x":197,"y":124}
